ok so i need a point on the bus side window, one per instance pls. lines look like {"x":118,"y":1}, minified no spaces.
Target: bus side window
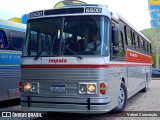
{"x":128,"y":36}
{"x":18,"y":43}
{"x":144,"y":46}
{"x":150,"y":48}
{"x":147,"y":47}
{"x":121,"y":44}
{"x":16,"y":40}
{"x":136,"y":41}
{"x":3,"y":40}
{"x":141,"y":43}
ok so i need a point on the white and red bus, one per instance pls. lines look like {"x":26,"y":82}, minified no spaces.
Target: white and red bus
{"x":59,"y":74}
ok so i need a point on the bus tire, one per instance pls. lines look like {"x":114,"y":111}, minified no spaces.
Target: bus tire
{"x":122,"y":100}
{"x":146,"y":85}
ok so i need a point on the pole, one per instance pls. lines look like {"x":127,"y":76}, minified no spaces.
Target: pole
{"x":156,"y":38}
{"x":157,"y":56}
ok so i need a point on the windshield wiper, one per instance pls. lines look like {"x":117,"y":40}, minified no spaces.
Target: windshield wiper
{"x":41,"y":52}
{"x":80,"y":57}
{"x":38,"y":55}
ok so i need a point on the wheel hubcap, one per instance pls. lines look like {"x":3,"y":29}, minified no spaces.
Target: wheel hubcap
{"x":121,"y":97}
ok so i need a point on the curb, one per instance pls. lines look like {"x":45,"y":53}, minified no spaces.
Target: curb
{"x":155,"y":78}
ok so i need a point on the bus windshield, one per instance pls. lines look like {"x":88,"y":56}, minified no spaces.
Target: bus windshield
{"x":67,"y":36}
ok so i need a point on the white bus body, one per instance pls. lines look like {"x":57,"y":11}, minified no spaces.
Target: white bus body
{"x":61,"y":78}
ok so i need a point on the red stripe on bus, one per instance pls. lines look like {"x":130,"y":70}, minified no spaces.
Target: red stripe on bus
{"x":137,"y":57}
{"x":82,"y":66}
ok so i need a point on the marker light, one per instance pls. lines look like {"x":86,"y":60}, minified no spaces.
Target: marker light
{"x":27,"y":87}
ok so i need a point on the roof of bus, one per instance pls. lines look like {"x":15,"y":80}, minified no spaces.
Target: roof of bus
{"x":77,"y":5}
{"x":12,"y":25}
{"x":118,"y":17}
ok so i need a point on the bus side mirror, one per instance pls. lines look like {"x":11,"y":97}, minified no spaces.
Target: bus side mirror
{"x":115,"y":36}
{"x":115,"y":41}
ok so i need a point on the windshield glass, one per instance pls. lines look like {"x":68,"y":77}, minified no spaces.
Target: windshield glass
{"x":63,"y":36}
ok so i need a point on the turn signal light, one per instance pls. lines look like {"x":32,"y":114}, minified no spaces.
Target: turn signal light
{"x":20,"y":83}
{"x":102,"y":88}
{"x":20,"y":89}
{"x":20,"y":86}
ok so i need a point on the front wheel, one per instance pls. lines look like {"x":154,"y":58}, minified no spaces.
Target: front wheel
{"x":122,"y":100}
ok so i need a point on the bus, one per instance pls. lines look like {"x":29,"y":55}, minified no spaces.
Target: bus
{"x":60,"y":75}
{"x":11,"y":43}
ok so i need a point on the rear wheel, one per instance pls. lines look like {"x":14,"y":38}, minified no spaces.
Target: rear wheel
{"x":146,"y":85}
{"x":122,"y":100}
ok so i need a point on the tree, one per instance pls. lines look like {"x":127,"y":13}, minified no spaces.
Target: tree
{"x":150,"y":34}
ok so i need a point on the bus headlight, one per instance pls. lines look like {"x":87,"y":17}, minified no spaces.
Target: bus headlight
{"x":87,"y":88}
{"x":27,"y":87}
{"x":83,"y":88}
{"x":91,"y":88}
{"x":31,"y":87}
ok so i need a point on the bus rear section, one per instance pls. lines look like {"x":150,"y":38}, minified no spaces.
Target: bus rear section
{"x":63,"y":70}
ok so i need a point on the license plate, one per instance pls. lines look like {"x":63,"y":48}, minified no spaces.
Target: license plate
{"x":57,"y":88}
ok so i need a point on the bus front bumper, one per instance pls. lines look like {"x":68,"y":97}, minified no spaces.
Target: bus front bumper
{"x":66,"y":104}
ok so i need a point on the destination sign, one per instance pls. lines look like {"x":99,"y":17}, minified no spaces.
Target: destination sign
{"x":36,"y":14}
{"x":93,"y":10}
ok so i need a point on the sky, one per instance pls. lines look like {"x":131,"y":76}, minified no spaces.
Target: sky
{"x":134,"y":11}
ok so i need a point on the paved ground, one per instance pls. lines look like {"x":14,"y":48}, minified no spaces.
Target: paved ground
{"x":149,"y":101}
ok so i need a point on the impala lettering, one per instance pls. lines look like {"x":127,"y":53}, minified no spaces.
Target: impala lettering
{"x":58,"y":60}
{"x":133,"y":55}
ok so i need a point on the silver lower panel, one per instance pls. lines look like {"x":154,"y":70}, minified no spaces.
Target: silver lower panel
{"x":74,"y":105}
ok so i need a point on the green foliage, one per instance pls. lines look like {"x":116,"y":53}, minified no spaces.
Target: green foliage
{"x":153,"y":60}
{"x":151,"y":35}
